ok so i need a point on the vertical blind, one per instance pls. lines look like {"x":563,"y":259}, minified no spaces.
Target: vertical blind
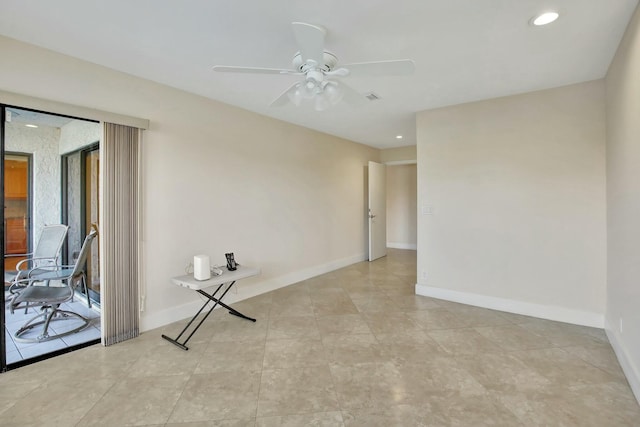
{"x":120,"y":233}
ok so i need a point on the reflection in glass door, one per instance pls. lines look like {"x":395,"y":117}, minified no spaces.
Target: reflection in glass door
{"x":17,"y":224}
{"x":80,"y":209}
{"x":91,"y":204}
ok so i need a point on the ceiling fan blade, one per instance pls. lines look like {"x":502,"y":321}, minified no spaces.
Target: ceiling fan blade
{"x":254,"y":70}
{"x":283,"y":99}
{"x":310,"y":39}
{"x":352,"y":96}
{"x":402,"y":67}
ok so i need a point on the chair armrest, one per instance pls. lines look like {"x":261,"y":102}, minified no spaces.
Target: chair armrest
{"x":17,"y":255}
{"x":48,"y":268}
{"x":30,"y":260}
{"x":25,"y":281}
{"x":24,"y":261}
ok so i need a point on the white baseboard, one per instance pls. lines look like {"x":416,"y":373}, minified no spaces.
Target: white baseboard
{"x":560,"y":314}
{"x":393,"y":245}
{"x":150,"y":321}
{"x":627,"y":363}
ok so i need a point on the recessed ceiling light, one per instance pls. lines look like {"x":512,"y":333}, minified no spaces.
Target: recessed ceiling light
{"x":545,"y":18}
{"x":398,"y":136}
{"x":31,"y":126}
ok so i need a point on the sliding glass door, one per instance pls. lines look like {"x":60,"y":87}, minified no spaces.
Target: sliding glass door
{"x":50,"y":175}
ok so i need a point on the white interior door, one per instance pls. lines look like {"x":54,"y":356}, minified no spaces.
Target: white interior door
{"x":377,"y":210}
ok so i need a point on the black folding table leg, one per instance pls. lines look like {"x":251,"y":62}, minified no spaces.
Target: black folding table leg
{"x":216,"y":302}
{"x":231,"y":310}
{"x":183,"y":344}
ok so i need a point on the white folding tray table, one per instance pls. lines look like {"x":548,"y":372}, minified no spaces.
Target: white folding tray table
{"x":224,"y":283}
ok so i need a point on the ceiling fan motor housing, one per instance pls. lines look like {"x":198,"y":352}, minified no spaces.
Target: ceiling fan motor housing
{"x":314,"y":79}
{"x":329,"y":59}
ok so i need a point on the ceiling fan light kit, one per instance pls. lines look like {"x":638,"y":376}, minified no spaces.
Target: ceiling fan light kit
{"x":328,"y":63}
{"x":318,"y":68}
{"x":325,"y":93}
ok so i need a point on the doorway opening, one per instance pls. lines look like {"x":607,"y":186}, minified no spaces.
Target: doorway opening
{"x":51,"y":177}
{"x":402,"y":206}
{"x":392,"y":207}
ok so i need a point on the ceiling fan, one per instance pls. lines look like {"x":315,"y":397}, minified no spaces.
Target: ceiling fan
{"x":317,"y":66}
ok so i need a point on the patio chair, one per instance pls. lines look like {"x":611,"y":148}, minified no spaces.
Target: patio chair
{"x":49,"y":298}
{"x":46,"y":253}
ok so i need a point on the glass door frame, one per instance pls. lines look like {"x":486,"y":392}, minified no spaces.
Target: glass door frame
{"x":3,"y":344}
{"x":3,"y":341}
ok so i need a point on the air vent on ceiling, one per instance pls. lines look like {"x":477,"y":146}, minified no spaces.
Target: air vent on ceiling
{"x":372,"y":96}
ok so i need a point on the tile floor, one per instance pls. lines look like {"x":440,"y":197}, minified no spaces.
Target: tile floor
{"x":17,"y":351}
{"x":353,"y":347}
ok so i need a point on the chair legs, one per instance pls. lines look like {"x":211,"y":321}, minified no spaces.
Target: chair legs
{"x":86,"y":289}
{"x":48,"y":315}
{"x":83,"y":279}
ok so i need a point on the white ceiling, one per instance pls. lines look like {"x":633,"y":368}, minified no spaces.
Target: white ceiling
{"x":464,"y":50}
{"x":27,"y":117}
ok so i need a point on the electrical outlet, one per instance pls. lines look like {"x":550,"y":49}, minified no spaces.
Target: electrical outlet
{"x":424,"y":274}
{"x":427,"y":209}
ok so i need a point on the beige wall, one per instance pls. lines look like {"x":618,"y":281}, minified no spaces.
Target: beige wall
{"x":516,"y":187}
{"x":398,"y":155}
{"x":623,"y":203}
{"x":217,"y":179}
{"x":401,"y":206}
